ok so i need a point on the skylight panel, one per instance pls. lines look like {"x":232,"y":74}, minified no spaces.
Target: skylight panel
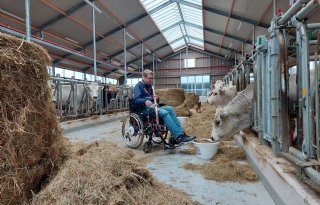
{"x":176,"y":45}
{"x":151,"y":4}
{"x":166,"y":14}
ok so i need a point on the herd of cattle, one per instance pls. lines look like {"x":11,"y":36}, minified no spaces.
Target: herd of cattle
{"x":234,"y":110}
{"x":77,"y":99}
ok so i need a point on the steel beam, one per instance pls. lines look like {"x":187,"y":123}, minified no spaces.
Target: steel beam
{"x":60,"y":17}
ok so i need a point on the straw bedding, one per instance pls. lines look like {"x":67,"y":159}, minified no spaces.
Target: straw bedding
{"x":107,"y":174}
{"x":31,"y":146}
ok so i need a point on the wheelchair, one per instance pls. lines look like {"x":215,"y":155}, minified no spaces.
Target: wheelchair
{"x":137,"y":126}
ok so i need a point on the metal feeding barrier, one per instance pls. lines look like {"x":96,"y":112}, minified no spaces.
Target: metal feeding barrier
{"x":73,"y":98}
{"x":280,"y":99}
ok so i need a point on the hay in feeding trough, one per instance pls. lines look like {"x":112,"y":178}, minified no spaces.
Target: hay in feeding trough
{"x":191,"y":99}
{"x":31,"y":146}
{"x":107,"y":174}
{"x":225,"y":166}
{"x":171,"y":96}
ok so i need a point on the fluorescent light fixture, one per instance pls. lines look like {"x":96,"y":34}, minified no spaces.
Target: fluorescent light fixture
{"x":73,"y":41}
{"x":12,"y":15}
{"x":226,"y":56}
{"x":93,"y":6}
{"x":159,"y":60}
{"x":239,"y":26}
{"x":128,"y":34}
{"x":148,"y":51}
{"x":230,"y":45}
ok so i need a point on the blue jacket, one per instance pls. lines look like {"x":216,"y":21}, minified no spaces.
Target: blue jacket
{"x":142,"y":93}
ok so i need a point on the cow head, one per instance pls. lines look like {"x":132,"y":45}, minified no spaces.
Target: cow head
{"x":221,"y":95}
{"x":52,"y":90}
{"x":94,"y":89}
{"x":234,"y":117}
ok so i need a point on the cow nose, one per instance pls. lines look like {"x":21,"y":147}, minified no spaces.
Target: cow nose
{"x":218,"y":122}
{"x":95,"y":97}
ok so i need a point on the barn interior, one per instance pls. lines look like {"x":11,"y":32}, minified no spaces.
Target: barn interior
{"x":242,"y":75}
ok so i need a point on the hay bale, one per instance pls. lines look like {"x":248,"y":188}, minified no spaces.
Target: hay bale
{"x":191,"y":99}
{"x":107,"y":174}
{"x":31,"y":146}
{"x":171,"y":96}
{"x":182,"y":110}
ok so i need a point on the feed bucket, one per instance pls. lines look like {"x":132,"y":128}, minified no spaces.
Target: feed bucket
{"x":206,"y":149}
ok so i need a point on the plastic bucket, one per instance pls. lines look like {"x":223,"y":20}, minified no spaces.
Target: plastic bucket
{"x":206,"y":149}
{"x":182,"y":120}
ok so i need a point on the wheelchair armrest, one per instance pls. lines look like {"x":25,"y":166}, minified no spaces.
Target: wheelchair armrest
{"x":162,"y":104}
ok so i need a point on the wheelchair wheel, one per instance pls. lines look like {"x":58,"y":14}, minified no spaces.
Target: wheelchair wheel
{"x":132,"y":131}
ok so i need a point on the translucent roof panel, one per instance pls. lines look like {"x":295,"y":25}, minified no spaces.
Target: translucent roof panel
{"x":170,"y":16}
{"x":177,"y":44}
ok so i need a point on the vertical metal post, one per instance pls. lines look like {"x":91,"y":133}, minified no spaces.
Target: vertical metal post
{"x":265,"y":97}
{"x":253,"y":34}
{"x":153,"y":70}
{"x":187,"y":56}
{"x":306,"y":99}
{"x":180,"y":62}
{"x":317,"y":101}
{"x":210,"y":71}
{"x":94,"y":44}
{"x":242,"y":49}
{"x":275,"y":90}
{"x":27,"y":8}
{"x":274,"y":7}
{"x":142,"y":52}
{"x":53,"y":70}
{"x":125,"y":56}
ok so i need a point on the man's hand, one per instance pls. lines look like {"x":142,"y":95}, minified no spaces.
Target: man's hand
{"x":148,"y":103}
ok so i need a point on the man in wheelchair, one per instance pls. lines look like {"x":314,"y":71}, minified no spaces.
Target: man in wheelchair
{"x":143,"y":98}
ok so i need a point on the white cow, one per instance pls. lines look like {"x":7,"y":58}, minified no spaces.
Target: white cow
{"x":93,"y":91}
{"x":236,"y":115}
{"x":221,"y":94}
{"x":52,"y":90}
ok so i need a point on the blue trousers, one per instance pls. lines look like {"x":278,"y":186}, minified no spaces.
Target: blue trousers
{"x":169,"y":118}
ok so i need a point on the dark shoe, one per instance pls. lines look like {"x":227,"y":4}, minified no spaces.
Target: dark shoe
{"x":183,"y":138}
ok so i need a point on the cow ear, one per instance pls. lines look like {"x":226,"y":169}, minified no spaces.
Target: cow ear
{"x":87,"y":87}
{"x":100,"y":87}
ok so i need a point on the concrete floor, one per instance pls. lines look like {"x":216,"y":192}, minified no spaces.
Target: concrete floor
{"x":166,"y":166}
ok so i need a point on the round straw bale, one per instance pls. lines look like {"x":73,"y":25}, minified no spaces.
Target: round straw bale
{"x":191,"y":99}
{"x":171,"y":96}
{"x":31,"y":145}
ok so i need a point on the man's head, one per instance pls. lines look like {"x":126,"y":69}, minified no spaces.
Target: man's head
{"x":148,"y":76}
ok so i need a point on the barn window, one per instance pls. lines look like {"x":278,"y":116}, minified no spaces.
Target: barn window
{"x":199,"y":84}
{"x":189,"y":63}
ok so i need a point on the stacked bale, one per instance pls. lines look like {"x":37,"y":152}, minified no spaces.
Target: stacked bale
{"x":31,"y":146}
{"x":171,"y":96}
